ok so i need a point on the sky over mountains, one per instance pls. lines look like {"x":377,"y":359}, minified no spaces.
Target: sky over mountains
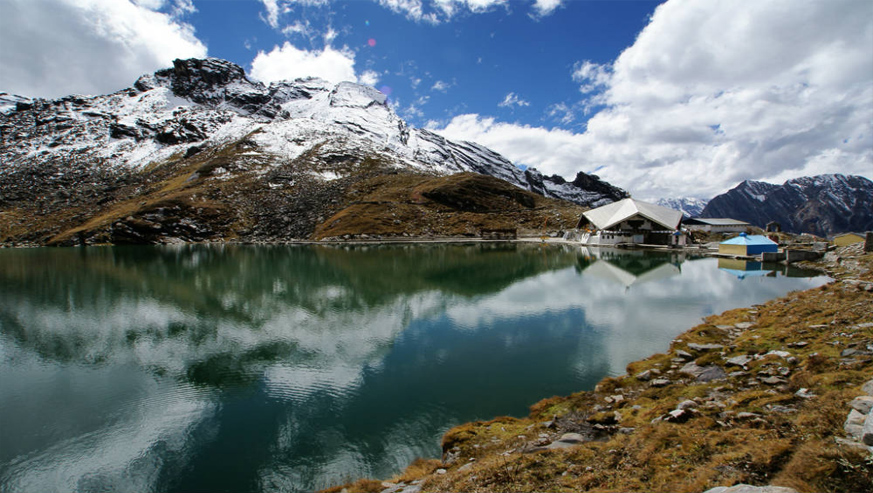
{"x":680,"y":98}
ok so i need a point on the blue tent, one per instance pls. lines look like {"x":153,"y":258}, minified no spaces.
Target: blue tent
{"x":748,"y":245}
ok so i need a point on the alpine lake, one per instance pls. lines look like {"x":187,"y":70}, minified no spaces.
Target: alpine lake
{"x":292,"y":368}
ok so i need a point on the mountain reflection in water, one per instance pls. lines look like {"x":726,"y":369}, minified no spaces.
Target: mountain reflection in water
{"x":243,"y":368}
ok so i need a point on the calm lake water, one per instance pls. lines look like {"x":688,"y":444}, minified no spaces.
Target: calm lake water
{"x":233,"y":368}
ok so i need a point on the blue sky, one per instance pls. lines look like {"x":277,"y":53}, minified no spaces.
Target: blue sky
{"x":507,"y":61}
{"x":665,"y":99}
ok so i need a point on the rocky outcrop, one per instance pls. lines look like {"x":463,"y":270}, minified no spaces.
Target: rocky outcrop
{"x":821,"y":205}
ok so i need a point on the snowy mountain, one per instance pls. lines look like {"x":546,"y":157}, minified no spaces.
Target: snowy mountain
{"x":206,"y":120}
{"x":688,"y":206}
{"x":823,"y":205}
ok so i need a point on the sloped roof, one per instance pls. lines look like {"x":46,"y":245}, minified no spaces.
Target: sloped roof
{"x":745,"y":239}
{"x":716,"y":221}
{"x":611,"y":214}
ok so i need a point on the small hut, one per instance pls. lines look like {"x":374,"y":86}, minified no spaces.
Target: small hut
{"x":747,"y":245}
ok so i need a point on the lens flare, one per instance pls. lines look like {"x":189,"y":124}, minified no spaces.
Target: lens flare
{"x":371,"y":42}
{"x":386,"y":90}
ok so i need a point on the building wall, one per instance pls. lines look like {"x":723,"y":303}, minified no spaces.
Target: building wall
{"x":732,"y":249}
{"x":759,"y":249}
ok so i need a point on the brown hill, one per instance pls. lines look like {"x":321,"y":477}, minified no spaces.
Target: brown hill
{"x":464,"y":204}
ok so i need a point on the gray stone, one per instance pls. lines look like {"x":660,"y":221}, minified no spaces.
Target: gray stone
{"x":711,"y":373}
{"x":441,"y":471}
{"x":867,"y":433}
{"x":867,"y":388}
{"x":704,"y":347}
{"x":660,"y":382}
{"x":679,"y":415}
{"x":684,"y":354}
{"x":739,"y":360}
{"x":703,"y":373}
{"x":847,"y":353}
{"x":744,"y":325}
{"x":781,"y":354}
{"x":413,"y":488}
{"x":746,"y":415}
{"x":854,"y":425}
{"x":559,"y":445}
{"x":798,"y":344}
{"x":687,"y":404}
{"x":862,"y":404}
{"x":855,"y":418}
{"x":850,"y":443}
{"x":774,"y":380}
{"x":571,"y":438}
{"x":804,"y":393}
{"x":745,"y":488}
{"x":647,"y":375}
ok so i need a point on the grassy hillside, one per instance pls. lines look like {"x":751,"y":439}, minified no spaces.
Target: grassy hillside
{"x":236,"y":193}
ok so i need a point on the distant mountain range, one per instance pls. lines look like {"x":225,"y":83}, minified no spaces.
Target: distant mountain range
{"x":688,"y":206}
{"x":822,"y":205}
{"x":199,"y":152}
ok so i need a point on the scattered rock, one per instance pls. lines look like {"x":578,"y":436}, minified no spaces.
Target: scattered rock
{"x":804,"y":393}
{"x":774,"y":380}
{"x":704,"y":347}
{"x":704,"y":373}
{"x":745,"y":488}
{"x":867,"y":388}
{"x":855,"y":352}
{"x":854,"y":425}
{"x":660,"y":382}
{"x":687,"y":404}
{"x":867,"y":434}
{"x":680,"y":415}
{"x":781,"y":354}
{"x":742,"y":360}
{"x":684,"y":354}
{"x":647,"y":375}
{"x":850,"y":443}
{"x":862,"y":404}
{"x":744,"y":325}
{"x":799,"y":344}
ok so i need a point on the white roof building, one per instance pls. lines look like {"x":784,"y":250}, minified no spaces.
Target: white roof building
{"x":612,"y":215}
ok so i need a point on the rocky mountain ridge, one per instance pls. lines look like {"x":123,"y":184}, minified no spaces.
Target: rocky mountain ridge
{"x":201,"y":143}
{"x":822,"y":205}
{"x":688,"y":206}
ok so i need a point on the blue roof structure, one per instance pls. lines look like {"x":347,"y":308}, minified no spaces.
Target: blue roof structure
{"x":755,"y":244}
{"x":744,"y":239}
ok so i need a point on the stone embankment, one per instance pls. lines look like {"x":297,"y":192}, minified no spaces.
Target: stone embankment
{"x":772,"y":398}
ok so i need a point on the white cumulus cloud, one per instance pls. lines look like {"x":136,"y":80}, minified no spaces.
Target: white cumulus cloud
{"x":52,"y":48}
{"x":287,"y":62}
{"x":712,"y":93}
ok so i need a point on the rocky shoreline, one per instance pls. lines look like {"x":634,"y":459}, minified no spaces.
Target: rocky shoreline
{"x":775,"y":396}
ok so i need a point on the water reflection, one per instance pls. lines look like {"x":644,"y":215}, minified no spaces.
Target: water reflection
{"x":291,"y":368}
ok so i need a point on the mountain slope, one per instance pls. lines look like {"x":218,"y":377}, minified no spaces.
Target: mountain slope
{"x":688,"y":206}
{"x":823,"y":205}
{"x":201,"y":146}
